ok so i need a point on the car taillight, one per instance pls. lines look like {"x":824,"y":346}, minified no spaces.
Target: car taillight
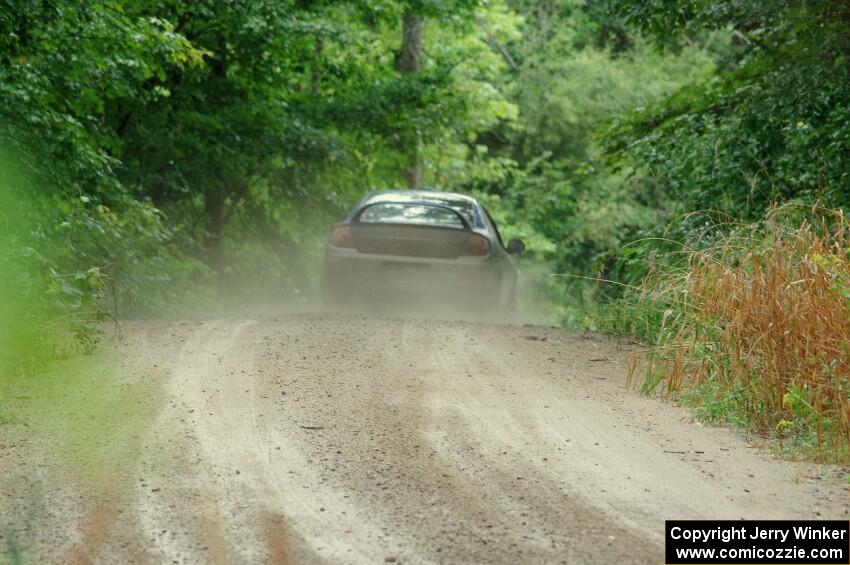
{"x":476,"y":245}
{"x":341,"y":237}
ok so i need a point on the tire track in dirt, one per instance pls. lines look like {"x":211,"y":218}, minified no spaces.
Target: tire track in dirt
{"x":324,"y":438}
{"x":255,"y":474}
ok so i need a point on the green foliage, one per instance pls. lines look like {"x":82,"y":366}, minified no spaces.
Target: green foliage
{"x":169,"y":148}
{"x":39,"y":285}
{"x":770,"y":128}
{"x":719,"y":404}
{"x":63,"y":67}
{"x":764,"y":133}
{"x":575,"y":69}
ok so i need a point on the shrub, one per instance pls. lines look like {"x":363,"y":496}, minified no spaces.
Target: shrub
{"x":755,"y":328}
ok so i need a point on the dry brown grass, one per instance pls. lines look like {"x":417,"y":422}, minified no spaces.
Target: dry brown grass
{"x":764,"y":318}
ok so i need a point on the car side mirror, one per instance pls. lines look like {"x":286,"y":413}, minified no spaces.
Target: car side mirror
{"x":515,"y":247}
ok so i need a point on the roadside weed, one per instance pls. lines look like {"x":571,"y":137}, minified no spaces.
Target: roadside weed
{"x":755,"y":331}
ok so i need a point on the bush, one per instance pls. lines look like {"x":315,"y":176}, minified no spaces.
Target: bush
{"x":755,"y":329}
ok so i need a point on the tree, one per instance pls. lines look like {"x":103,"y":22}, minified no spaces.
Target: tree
{"x":409,"y":60}
{"x":576,"y":69}
{"x":769,"y":127}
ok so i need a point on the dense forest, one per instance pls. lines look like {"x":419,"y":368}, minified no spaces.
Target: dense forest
{"x":677,"y":168}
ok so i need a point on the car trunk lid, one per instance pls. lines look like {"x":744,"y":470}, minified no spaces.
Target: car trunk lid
{"x":407,"y":240}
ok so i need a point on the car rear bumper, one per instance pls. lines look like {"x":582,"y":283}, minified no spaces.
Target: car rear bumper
{"x":365,"y":277}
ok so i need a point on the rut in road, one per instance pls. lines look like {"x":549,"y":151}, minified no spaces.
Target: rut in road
{"x":346,"y":439}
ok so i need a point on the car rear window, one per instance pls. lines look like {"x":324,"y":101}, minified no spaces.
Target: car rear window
{"x":397,"y":213}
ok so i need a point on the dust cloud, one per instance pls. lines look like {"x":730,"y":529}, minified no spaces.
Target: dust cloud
{"x":258,"y":277}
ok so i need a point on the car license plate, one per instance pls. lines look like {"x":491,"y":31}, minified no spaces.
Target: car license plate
{"x":408,"y":274}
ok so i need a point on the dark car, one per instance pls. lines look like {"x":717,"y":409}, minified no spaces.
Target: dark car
{"x":425,"y":247}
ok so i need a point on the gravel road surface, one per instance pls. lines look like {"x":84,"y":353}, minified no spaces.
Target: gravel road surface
{"x":327,"y":438}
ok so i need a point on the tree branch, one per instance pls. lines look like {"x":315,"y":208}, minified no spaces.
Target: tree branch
{"x":494,"y":44}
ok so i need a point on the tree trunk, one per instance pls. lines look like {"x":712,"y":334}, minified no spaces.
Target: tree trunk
{"x":214,"y":208}
{"x":409,"y":58}
{"x":409,"y":61}
{"x":315,"y":76}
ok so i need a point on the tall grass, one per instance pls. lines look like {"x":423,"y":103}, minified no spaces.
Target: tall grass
{"x":755,"y":329}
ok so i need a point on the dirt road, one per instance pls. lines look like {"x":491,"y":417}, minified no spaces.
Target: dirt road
{"x":343,"y":439}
